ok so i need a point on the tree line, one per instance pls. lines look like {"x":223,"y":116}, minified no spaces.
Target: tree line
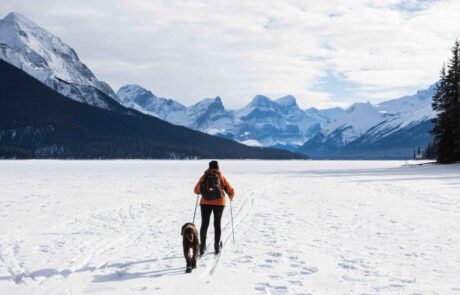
{"x":446,"y":102}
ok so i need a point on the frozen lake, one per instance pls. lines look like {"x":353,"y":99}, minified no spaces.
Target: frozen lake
{"x":301,"y":227}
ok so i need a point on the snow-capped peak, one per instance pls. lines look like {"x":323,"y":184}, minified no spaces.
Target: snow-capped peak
{"x":287,"y":101}
{"x":139,"y":98}
{"x":260,"y":100}
{"x":410,"y":103}
{"x":17,"y":18}
{"x":360,"y":106}
{"x":132,"y":92}
{"x":215,"y":104}
{"x":47,"y":58}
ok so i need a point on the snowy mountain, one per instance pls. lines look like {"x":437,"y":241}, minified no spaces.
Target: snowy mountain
{"x":38,"y":122}
{"x":208,"y":115}
{"x":136,"y":97}
{"x":265,"y":122}
{"x":391,"y":128}
{"x":275,"y":122}
{"x":46,"y":58}
{"x":283,"y":124}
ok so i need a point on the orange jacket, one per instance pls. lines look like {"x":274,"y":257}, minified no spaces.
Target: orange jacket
{"x":226,"y":187}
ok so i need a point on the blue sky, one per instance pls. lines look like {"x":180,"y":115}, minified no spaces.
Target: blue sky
{"x":338,"y":87}
{"x":411,"y":6}
{"x":325,"y":53}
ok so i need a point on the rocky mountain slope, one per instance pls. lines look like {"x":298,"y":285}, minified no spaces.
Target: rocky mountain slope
{"x":48,"y":59}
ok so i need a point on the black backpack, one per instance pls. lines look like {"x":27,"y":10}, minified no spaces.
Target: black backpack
{"x":211,"y":188}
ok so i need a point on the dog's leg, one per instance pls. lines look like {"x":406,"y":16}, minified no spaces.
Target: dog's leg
{"x":187,"y":256}
{"x":196,"y":247}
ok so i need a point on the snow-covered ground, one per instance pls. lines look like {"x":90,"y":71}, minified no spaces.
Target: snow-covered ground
{"x":301,"y":227}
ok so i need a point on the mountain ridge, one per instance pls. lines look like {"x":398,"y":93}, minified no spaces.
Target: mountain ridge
{"x":282,"y":123}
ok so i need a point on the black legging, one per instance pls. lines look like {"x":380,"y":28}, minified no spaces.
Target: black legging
{"x":205,"y":216}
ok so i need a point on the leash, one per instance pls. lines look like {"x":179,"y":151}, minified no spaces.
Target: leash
{"x":231,"y":213}
{"x":196,"y":206}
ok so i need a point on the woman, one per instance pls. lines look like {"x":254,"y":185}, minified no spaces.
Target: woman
{"x":212,"y":186}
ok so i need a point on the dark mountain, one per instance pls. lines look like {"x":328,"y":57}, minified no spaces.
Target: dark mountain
{"x":38,"y":122}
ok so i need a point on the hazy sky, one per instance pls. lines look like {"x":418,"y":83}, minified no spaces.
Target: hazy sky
{"x":325,"y":53}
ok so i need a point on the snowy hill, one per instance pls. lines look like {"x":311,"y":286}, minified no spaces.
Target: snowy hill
{"x":46,"y":58}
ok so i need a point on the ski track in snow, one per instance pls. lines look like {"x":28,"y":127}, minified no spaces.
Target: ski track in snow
{"x":301,"y":227}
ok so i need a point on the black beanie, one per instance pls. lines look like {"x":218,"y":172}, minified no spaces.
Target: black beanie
{"x":214,"y":165}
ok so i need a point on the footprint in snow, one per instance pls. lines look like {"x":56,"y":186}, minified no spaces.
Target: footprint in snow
{"x":267,"y":287}
{"x":346,"y":266}
{"x":296,"y":283}
{"x":244,"y":259}
{"x":274,"y":254}
{"x":265,"y":266}
{"x":309,"y":270}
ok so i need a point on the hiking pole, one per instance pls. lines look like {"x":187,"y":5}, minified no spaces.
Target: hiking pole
{"x":231,"y":213}
{"x":196,"y":206}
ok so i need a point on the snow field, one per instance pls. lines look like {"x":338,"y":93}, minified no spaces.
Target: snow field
{"x":301,"y":227}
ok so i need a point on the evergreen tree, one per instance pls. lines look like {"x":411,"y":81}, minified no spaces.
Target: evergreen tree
{"x":430,"y":151}
{"x":445,"y":101}
{"x":456,"y":113}
{"x":453,"y":100}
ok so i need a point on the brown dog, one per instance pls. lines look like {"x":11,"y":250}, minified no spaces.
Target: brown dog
{"x":190,"y":240}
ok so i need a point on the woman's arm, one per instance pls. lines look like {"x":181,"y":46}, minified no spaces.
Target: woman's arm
{"x":197,"y":189}
{"x":228,"y":188}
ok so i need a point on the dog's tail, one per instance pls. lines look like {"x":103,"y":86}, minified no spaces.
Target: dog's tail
{"x":189,"y":237}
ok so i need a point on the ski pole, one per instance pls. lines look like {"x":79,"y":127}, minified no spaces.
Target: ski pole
{"x":231,"y":213}
{"x":196,"y":205}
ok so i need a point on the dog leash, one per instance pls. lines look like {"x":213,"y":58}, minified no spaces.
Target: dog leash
{"x":196,"y":206}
